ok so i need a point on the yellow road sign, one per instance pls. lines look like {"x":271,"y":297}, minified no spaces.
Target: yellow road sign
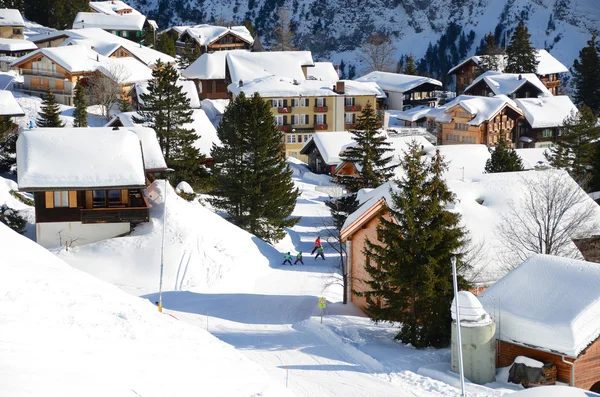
{"x":322,"y":303}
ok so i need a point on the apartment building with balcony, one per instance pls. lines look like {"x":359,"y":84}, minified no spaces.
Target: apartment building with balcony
{"x":11,"y":24}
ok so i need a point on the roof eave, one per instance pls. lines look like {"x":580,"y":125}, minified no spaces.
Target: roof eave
{"x":63,"y":188}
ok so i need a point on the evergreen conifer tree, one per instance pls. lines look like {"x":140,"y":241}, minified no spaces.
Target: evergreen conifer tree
{"x":252,"y":179}
{"x":124,"y":105}
{"x":409,"y":66}
{"x":490,"y":57}
{"x":594,"y":185}
{"x":576,"y":150}
{"x":521,"y":55}
{"x":8,"y":145}
{"x":503,"y":159}
{"x":167,"y":109}
{"x":12,"y":219}
{"x":165,"y":43}
{"x":409,"y":267}
{"x":80,"y":112}
{"x":50,"y":112}
{"x":586,"y":76}
{"x":370,"y":155}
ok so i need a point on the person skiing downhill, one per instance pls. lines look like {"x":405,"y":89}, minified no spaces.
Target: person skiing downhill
{"x":299,"y":258}
{"x":317,"y":245}
{"x":287,"y":258}
{"x":320,"y":253}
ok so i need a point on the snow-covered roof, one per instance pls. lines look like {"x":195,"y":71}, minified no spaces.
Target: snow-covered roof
{"x":508,"y":83}
{"x":323,"y":71}
{"x":131,"y":22}
{"x":112,"y":7}
{"x":11,"y":45}
{"x":247,"y":66}
{"x":547,"y":64}
{"x":77,"y":158}
{"x":153,"y":156}
{"x":549,"y":302}
{"x":106,"y":44}
{"x":330,"y":145}
{"x":554,"y":391}
{"x":483,"y":108}
{"x":470,"y":309}
{"x":125,"y":71}
{"x":414,"y":114}
{"x":205,"y":130}
{"x":10,"y":17}
{"x":397,"y":82}
{"x":546,"y":112}
{"x":126,"y":118}
{"x":208,"y":66}
{"x":9,"y":105}
{"x":73,"y":58}
{"x":187,"y":86}
{"x":206,"y":34}
{"x":277,"y":86}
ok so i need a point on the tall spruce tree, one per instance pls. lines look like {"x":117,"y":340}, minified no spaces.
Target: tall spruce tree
{"x":252,"y":179}
{"x":503,"y":159}
{"x":8,"y":145}
{"x":409,"y":67}
{"x":49,"y":116}
{"x":165,"y":43}
{"x":586,"y":76}
{"x":166,"y":109}
{"x":409,"y":267}
{"x":370,"y":154}
{"x":80,"y":112}
{"x":521,"y":55}
{"x":576,"y":150}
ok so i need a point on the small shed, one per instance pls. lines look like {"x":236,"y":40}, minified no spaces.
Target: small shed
{"x":323,"y":150}
{"x":548,"y":309}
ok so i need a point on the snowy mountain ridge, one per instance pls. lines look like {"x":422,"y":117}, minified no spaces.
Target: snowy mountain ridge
{"x":334,"y":29}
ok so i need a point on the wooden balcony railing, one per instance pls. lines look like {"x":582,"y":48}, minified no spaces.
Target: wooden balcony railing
{"x":321,"y":109}
{"x":320,"y":127}
{"x":115,"y":215}
{"x":353,"y":108}
{"x":41,"y":72}
{"x":284,"y":110}
{"x":349,"y":126}
{"x":284,"y":127}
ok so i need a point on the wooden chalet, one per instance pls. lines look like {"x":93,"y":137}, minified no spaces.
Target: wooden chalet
{"x":208,"y":74}
{"x":112,"y":7}
{"x":12,"y":24}
{"x":555,"y":319}
{"x":88,"y":183}
{"x":131,"y":26}
{"x":323,"y":150}
{"x":202,"y":39}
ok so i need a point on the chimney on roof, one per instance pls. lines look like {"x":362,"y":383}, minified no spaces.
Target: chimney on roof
{"x":97,"y":58}
{"x":241,"y":83}
{"x":340,"y":87}
{"x":520,"y":76}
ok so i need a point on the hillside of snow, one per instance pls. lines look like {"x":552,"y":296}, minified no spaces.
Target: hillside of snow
{"x":334,"y":29}
{"x":65,"y":333}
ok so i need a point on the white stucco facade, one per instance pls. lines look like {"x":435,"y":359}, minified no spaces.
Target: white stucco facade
{"x":59,"y":234}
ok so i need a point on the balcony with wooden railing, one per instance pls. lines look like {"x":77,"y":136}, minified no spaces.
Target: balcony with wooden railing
{"x":42,"y":72}
{"x":320,"y":126}
{"x":287,"y":109}
{"x":41,"y":89}
{"x":137,"y":211}
{"x":284,"y":127}
{"x":349,"y":126}
{"x":353,"y":108}
{"x":321,"y":109}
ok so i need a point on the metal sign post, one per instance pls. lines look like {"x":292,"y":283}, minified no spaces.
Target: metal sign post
{"x":322,"y":306}
{"x":460,"y":360}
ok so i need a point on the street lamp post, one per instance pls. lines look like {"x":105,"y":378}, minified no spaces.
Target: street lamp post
{"x":459,"y":340}
{"x":162,"y":245}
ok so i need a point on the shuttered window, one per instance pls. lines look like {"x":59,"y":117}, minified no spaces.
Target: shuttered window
{"x":61,"y":199}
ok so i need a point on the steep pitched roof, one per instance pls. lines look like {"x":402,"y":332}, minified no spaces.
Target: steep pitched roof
{"x":509,"y":83}
{"x":559,"y":312}
{"x":8,"y":105}
{"x":207,"y":34}
{"x":483,"y":108}
{"x":10,"y":17}
{"x":547,"y":64}
{"x":323,"y":71}
{"x":112,"y":7}
{"x":208,"y":66}
{"x":546,"y":112}
{"x":397,"y":82}
{"x":248,"y":66}
{"x":74,"y":58}
{"x":109,"y":22}
{"x":105,"y":158}
{"x":329,"y":144}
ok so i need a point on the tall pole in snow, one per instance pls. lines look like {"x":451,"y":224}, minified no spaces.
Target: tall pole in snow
{"x":460,"y":361}
{"x":162,"y":245}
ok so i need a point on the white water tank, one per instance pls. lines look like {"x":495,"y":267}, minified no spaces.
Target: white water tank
{"x":478,"y":340}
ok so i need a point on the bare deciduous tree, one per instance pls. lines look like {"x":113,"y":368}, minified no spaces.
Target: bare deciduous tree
{"x":105,"y":87}
{"x":378,"y":53}
{"x":284,"y":36}
{"x":553,"y":211}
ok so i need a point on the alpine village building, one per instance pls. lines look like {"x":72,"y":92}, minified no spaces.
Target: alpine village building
{"x":101,"y":197}
{"x":206,"y":39}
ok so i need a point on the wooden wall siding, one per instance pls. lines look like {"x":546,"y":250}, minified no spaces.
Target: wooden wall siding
{"x":213,"y":89}
{"x":587,"y":366}
{"x":62,"y":214}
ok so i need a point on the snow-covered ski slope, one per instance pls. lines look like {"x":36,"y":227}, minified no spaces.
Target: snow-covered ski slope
{"x":224,"y":280}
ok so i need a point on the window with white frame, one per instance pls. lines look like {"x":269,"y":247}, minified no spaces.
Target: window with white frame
{"x":289,"y":138}
{"x":277,"y":103}
{"x":319,"y":102}
{"x":279,"y":120}
{"x":295,"y":102}
{"x":304,"y":102}
{"x":304,"y":119}
{"x":320,"y":119}
{"x":350,"y":118}
{"x":295,"y":119}
{"x":348,"y":101}
{"x":61,"y":198}
{"x":306,"y":137}
{"x":547,"y":133}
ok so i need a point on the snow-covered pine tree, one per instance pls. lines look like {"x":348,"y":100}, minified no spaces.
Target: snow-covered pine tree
{"x":521,"y":55}
{"x":80,"y":112}
{"x":503,"y":159}
{"x":167,"y":109}
{"x":49,"y":116}
{"x":575,"y":151}
{"x":8,"y":145}
{"x":370,"y":154}
{"x":410,"y":67}
{"x":124,"y":105}
{"x":586,"y":76}
{"x":252,"y":179}
{"x":12,"y":219}
{"x":490,"y":59}
{"x":409,"y":266}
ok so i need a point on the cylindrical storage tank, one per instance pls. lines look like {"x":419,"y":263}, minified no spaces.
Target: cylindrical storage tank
{"x":478,"y":340}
